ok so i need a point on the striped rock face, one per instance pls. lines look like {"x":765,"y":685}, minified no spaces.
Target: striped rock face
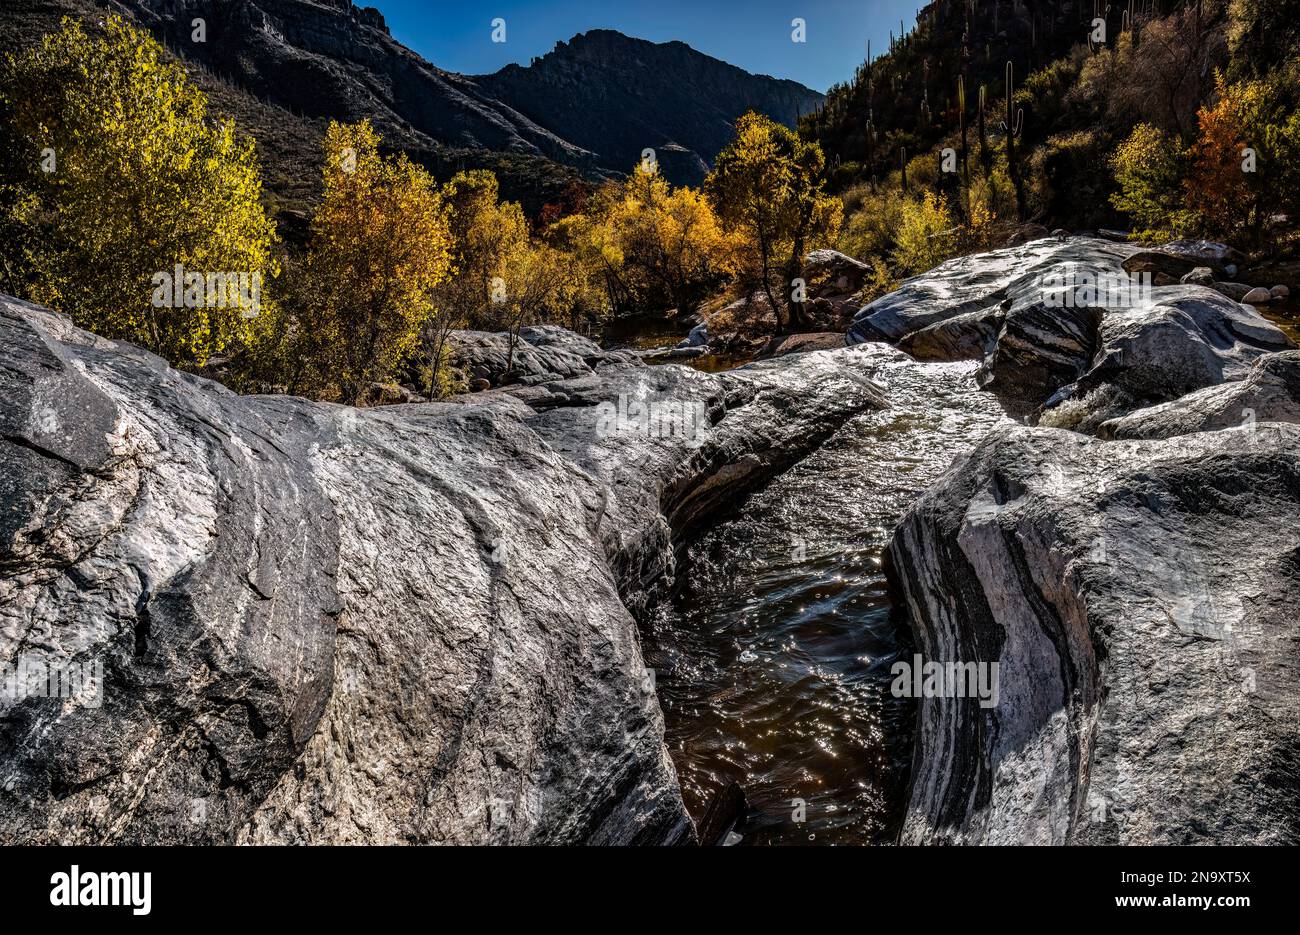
{"x":1139,"y":599}
{"x":1065,"y":333}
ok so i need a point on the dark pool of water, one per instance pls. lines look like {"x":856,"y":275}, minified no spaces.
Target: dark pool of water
{"x":772,"y":659}
{"x":709,"y":363}
{"x":1286,"y":315}
{"x":648,"y":330}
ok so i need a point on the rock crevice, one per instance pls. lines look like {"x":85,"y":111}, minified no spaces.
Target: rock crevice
{"x":320,"y":624}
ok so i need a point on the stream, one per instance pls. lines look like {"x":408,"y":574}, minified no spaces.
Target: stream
{"x":772,"y":657}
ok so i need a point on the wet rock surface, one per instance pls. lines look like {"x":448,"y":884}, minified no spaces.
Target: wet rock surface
{"x":319,"y":624}
{"x":418,"y":623}
{"x":1270,"y":392}
{"x":1075,"y":330}
{"x":1038,"y":349}
{"x":964,"y":337}
{"x":539,"y":354}
{"x":1130,"y":591}
{"x":980,"y":282}
{"x":1181,"y":339}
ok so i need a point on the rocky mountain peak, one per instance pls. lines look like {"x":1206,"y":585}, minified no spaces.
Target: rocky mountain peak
{"x":589,"y":107}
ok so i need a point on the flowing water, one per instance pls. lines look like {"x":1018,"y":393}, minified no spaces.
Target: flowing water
{"x":772,"y":660}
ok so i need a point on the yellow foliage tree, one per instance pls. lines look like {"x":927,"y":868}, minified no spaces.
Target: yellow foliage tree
{"x":592,"y":267}
{"x":380,"y":245}
{"x":925,"y":233}
{"x":668,"y":238}
{"x":1148,"y":170}
{"x":767,"y":184}
{"x":125,"y":183}
{"x":486,"y":237}
{"x":539,"y":286}
{"x":596,"y":248}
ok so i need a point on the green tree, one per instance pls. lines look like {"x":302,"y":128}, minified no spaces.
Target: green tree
{"x":1149,"y":170}
{"x":119,"y":177}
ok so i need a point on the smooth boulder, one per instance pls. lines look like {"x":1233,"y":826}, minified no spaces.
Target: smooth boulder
{"x":980,"y":282}
{"x":1181,"y":339}
{"x":1270,"y":392}
{"x":964,"y":337}
{"x":540,"y":354}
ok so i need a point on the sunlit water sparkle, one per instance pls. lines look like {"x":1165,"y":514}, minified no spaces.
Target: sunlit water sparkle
{"x":772,"y":659}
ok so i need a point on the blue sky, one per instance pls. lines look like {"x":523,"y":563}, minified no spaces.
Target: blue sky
{"x":755,"y":35}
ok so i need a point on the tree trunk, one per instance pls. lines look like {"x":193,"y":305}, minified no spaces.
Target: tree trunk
{"x":437,"y":359}
{"x":766,"y":256}
{"x":794,"y":269}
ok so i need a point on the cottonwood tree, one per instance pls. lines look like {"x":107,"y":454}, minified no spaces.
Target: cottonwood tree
{"x":594,"y":246}
{"x":587,"y":296}
{"x":381,"y":243}
{"x":539,"y":286}
{"x":502,"y":279}
{"x":487,"y":236}
{"x":767,"y":185}
{"x":668,"y":239}
{"x":120,"y":175}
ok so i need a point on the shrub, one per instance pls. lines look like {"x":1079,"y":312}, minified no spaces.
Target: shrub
{"x":871,"y":217}
{"x":925,"y":235}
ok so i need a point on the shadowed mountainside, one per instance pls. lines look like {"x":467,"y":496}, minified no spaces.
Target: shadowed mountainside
{"x":614,"y":95}
{"x":282,"y":68}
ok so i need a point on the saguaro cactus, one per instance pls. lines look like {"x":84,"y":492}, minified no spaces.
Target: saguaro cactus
{"x":984,"y":145}
{"x":1132,"y":24}
{"x":961,"y":124}
{"x":1014,"y":124}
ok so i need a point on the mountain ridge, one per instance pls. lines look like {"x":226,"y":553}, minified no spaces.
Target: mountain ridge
{"x":694,"y":108}
{"x":283,"y":68}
